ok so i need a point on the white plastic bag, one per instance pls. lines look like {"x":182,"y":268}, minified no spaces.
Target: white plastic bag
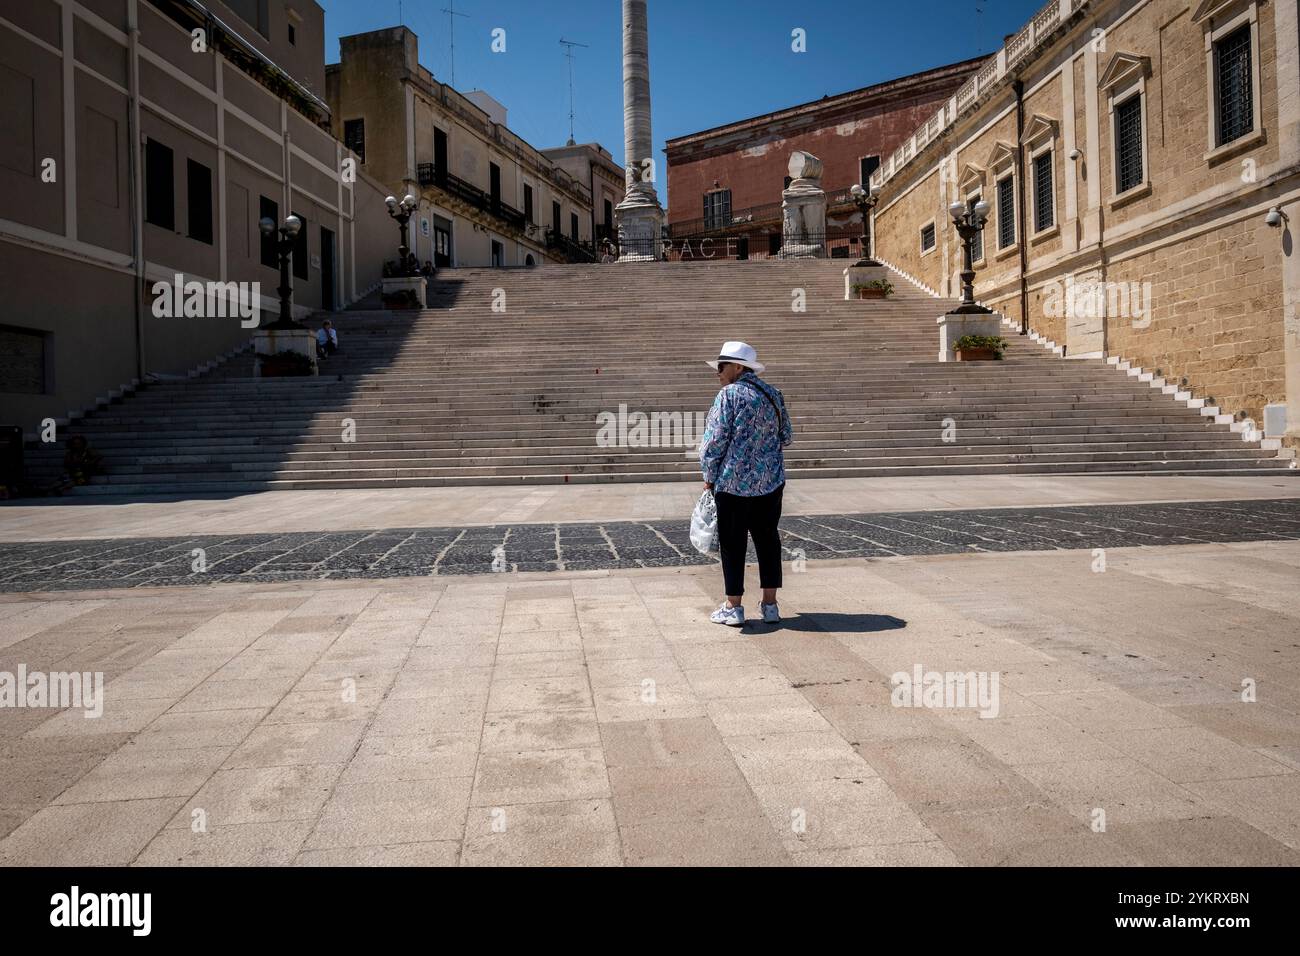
{"x":704,"y":524}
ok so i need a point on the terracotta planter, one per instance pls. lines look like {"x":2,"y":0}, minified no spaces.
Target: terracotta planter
{"x":985,"y":354}
{"x":872,"y":294}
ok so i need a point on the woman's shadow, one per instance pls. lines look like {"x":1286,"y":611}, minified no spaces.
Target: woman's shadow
{"x":834,"y":622}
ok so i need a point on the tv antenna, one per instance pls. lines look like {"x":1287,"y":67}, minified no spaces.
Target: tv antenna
{"x":452,"y":14}
{"x":568,"y":54}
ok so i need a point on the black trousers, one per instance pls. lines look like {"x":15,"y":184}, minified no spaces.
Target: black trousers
{"x":739,"y":518}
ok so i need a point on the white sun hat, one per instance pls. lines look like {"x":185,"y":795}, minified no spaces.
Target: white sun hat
{"x":740,"y":354}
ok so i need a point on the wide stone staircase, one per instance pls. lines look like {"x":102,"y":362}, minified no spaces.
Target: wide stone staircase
{"x":506,"y":377}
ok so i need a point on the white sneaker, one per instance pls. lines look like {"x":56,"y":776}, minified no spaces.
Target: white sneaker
{"x":730,"y":616}
{"x":771,"y":614}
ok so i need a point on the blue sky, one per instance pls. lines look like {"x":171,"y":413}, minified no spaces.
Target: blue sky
{"x":711,"y":61}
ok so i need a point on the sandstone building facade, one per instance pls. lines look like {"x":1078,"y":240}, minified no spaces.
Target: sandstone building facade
{"x":1142,"y":162}
{"x":487,"y":197}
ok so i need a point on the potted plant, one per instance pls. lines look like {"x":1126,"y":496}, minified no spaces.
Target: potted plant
{"x":875,"y":289}
{"x":285,"y":363}
{"x":979,"y":348}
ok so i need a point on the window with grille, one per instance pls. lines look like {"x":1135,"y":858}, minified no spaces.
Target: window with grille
{"x":1044,"y":197}
{"x":354,"y":137}
{"x":927,"y":237}
{"x":1006,"y":212}
{"x":717,"y":208}
{"x":1128,"y":144}
{"x":976,"y":244}
{"x":1234,"y":85}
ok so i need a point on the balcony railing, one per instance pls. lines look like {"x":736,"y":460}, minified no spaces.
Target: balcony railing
{"x":429,"y":175}
{"x":572,"y":251}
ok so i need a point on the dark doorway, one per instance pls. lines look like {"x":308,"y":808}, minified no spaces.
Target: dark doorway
{"x":441,"y":243}
{"x":494,"y":177}
{"x":326,"y":269}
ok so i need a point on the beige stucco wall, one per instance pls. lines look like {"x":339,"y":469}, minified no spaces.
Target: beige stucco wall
{"x":67,"y":256}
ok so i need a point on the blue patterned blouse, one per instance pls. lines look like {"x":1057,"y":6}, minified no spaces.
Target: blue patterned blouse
{"x":740,"y":452}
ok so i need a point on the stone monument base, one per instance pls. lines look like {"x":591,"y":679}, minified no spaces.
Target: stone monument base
{"x":640,"y":232}
{"x":956,"y":324}
{"x":411,"y":289}
{"x":268,"y":343}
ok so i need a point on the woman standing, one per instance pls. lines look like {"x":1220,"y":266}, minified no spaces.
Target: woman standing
{"x":740,"y":455}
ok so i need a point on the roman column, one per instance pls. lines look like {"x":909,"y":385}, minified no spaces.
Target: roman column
{"x":640,"y":217}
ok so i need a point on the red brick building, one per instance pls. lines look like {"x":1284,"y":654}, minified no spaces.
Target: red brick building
{"x":717,"y":172}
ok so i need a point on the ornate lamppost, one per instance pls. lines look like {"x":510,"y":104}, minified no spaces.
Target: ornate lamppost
{"x":287,"y":238}
{"x":865,"y":198}
{"x":402,"y":212}
{"x":969,"y":218}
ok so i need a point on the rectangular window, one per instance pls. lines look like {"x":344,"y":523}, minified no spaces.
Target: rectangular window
{"x":300,"y":250}
{"x":1234,"y":85}
{"x":292,"y":37}
{"x":159,"y":185}
{"x":1128,"y":144}
{"x":555,"y":218}
{"x":269,"y":209}
{"x":717,"y":209}
{"x":573,"y":226}
{"x":198,"y":180}
{"x":866,"y":166}
{"x":976,"y":244}
{"x":1006,"y":212}
{"x":528,"y":202}
{"x":927,"y":237}
{"x":354,"y":137}
{"x":1044,"y":197}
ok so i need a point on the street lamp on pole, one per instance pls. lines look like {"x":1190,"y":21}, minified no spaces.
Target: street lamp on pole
{"x":865,"y":198}
{"x":287,"y":239}
{"x":402,"y":212}
{"x":969,"y":218}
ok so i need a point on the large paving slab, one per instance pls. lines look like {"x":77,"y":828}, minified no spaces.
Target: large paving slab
{"x":1147,"y":712}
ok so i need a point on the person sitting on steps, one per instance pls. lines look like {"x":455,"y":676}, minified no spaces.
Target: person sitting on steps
{"x":327,"y":340}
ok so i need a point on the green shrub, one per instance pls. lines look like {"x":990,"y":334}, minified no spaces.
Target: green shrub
{"x":994,"y":342}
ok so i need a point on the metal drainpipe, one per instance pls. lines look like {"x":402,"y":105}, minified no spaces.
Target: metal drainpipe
{"x":1023,"y":236}
{"x":134,"y":186}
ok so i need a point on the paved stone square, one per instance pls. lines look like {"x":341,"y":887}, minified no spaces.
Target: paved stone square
{"x":621,"y":545}
{"x":596,"y":717}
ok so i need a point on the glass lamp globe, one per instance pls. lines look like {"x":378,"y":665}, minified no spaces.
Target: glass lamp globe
{"x":291,"y":225}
